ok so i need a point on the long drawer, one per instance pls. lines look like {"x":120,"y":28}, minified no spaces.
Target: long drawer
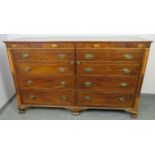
{"x":105,"y":68}
{"x":50,"y":45}
{"x":47,"y":97}
{"x":107,"y":83}
{"x":94,"y":99}
{"x":129,"y":55}
{"x":50,"y":82}
{"x":65,"y":68}
{"x":43,"y":55}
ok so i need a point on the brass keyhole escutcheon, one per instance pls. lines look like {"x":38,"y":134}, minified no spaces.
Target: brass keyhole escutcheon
{"x":54,"y":45}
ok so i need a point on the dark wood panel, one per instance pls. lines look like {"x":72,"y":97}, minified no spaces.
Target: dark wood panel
{"x":110,"y":55}
{"x":107,"y":83}
{"x":52,"y":82}
{"x":44,"y":97}
{"x":89,"y":98}
{"x":44,"y":55}
{"x":98,"y":68}
{"x":45,"y":68}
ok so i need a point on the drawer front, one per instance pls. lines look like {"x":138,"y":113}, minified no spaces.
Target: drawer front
{"x":85,"y":68}
{"x":44,"y":97}
{"x":104,"y":99}
{"x":43,"y":55}
{"x":52,"y":82}
{"x":97,"y":45}
{"x":45,"y":68}
{"x":51,"y":45}
{"x":110,"y":55}
{"x":107,"y":84}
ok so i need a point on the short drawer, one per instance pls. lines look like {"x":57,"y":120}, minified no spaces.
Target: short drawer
{"x":110,"y":55}
{"x":47,"y":97}
{"x":95,"y":99}
{"x":45,"y":68}
{"x":51,"y":82}
{"x":103,"y":68}
{"x":107,"y":83}
{"x":43,"y":55}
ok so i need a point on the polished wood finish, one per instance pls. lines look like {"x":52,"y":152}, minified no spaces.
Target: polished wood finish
{"x":46,"y":55}
{"x":79,"y":75}
{"x":107,"y":68}
{"x":107,"y":83}
{"x":134,"y":55}
{"x":47,"y":97}
{"x":46,"y":82}
{"x":45,"y":68}
{"x":101,"y":45}
{"x":91,"y":98}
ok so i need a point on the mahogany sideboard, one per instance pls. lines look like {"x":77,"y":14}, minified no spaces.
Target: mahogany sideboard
{"x":78,"y":74}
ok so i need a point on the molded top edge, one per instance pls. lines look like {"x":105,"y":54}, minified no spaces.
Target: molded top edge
{"x":78,"y":39}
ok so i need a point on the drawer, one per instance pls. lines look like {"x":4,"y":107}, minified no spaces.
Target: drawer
{"x":110,"y":55}
{"x":45,"y":68}
{"x":51,"y":45}
{"x":106,"y":44}
{"x":104,"y":99}
{"x":104,"y":68}
{"x":46,"y":97}
{"x":51,"y":82}
{"x":107,"y":83}
{"x":43,"y":55}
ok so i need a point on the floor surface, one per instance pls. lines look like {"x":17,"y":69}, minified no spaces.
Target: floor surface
{"x":146,"y":112}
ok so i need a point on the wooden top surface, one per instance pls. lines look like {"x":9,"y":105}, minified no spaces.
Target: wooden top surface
{"x":79,"y":39}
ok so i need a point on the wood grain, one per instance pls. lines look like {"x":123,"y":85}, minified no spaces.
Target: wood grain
{"x":79,"y":75}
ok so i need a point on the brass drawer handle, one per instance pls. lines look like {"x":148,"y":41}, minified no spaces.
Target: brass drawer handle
{"x":88,"y":84}
{"x":128,"y":56}
{"x":64,"y":98}
{"x":63,"y":83}
{"x":62,"y":70}
{"x":87,"y":98}
{"x":121,"y":99}
{"x":27,"y":69}
{"x":126,"y":71}
{"x":25,"y":55}
{"x":29,"y":82}
{"x":123,"y":84}
{"x":88,"y":70}
{"x":96,"y":45}
{"x":89,"y":56}
{"x":32,"y":97}
{"x":54,"y":45}
{"x":62,"y":56}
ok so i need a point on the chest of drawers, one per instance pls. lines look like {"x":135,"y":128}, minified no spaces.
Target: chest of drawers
{"x":78,"y":75}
